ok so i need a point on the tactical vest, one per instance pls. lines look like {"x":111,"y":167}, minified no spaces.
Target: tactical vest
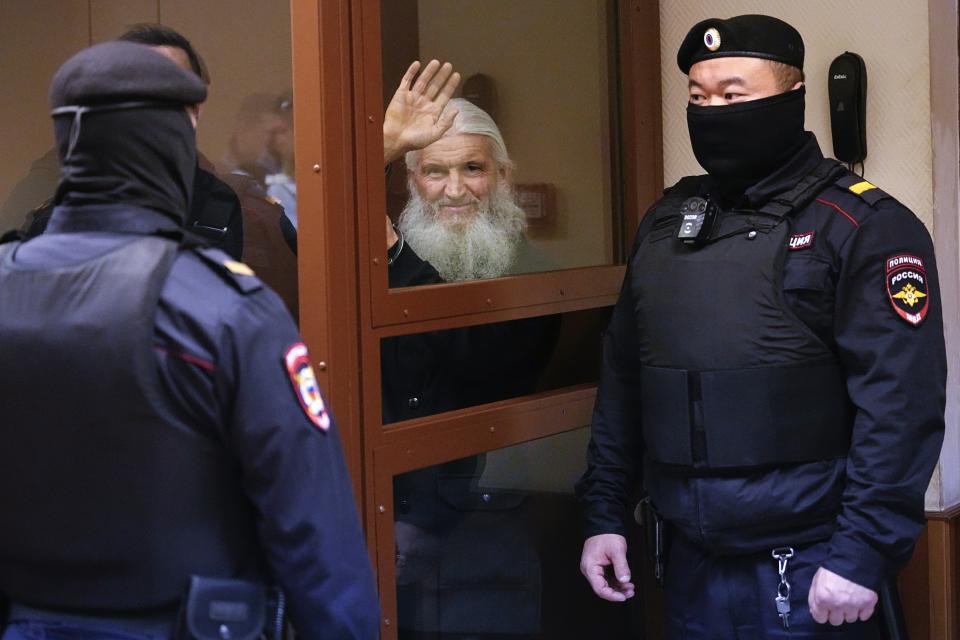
{"x":730,"y":377}
{"x":107,"y":505}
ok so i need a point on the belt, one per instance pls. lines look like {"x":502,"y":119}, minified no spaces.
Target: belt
{"x":160,"y":625}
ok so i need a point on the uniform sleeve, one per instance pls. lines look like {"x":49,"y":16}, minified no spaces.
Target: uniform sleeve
{"x":296,"y":477}
{"x":896,"y":378}
{"x":616,"y":448}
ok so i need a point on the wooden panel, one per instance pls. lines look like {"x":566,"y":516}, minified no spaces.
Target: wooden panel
{"x":350,"y":196}
{"x":942,"y":540}
{"x":110,"y":18}
{"x":325,"y":191}
{"x":914,"y":586}
{"x":641,"y":109}
{"x":468,"y":433}
{"x":600,"y":285}
{"x":36,"y":37}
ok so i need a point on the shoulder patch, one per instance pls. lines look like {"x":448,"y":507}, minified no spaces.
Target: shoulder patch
{"x":239,"y":275}
{"x":305,"y":386}
{"x":907,"y":287}
{"x":866,"y":191}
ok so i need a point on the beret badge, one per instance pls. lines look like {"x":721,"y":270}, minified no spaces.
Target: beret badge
{"x":711,"y":39}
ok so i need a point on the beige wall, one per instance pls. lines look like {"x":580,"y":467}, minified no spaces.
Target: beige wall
{"x":945,"y":132}
{"x":911,"y":127}
{"x":246,"y":51}
{"x":548,"y":60}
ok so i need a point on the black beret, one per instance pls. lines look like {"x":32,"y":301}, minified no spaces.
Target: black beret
{"x":116,"y":71}
{"x":750,"y":36}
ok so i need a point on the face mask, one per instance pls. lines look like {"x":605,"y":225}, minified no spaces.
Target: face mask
{"x":740,"y":144}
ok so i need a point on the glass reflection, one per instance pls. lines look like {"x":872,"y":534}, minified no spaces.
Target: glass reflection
{"x":230,"y":209}
{"x":487,"y":547}
{"x":465,"y":206}
{"x":427,"y":373}
{"x":438,"y":371}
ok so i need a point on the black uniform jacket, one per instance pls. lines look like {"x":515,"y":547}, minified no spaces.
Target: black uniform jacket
{"x":870,"y":504}
{"x":220,"y":339}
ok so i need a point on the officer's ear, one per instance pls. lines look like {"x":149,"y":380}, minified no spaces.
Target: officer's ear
{"x":797,"y":85}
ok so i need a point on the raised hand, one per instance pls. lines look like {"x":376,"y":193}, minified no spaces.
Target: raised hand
{"x":414,"y":117}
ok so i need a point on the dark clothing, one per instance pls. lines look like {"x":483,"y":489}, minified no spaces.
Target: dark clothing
{"x":432,"y":372}
{"x":215,"y":213}
{"x":752,"y":387}
{"x":265,"y":248}
{"x":145,"y":156}
{"x":218,"y":344}
{"x":868,"y":505}
{"x":439,"y":371}
{"x":93,"y":324}
{"x":427,"y":373}
{"x":709,"y":597}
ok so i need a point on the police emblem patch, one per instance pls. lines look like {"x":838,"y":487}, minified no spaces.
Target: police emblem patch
{"x":802,"y":240}
{"x":297,"y":362}
{"x":907,"y":287}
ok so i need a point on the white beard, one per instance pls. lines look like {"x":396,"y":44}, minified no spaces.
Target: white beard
{"x":484,"y":247}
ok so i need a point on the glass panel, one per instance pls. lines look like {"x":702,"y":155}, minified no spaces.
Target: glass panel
{"x":244,"y":132}
{"x":489,"y":547}
{"x":438,"y":371}
{"x":522,"y":181}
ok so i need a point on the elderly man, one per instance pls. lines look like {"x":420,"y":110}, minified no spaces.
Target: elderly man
{"x":462,"y":216}
{"x":774,"y":367}
{"x":461,"y":222}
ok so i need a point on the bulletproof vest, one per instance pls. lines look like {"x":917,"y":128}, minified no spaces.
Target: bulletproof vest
{"x":107,"y":504}
{"x":730,"y":376}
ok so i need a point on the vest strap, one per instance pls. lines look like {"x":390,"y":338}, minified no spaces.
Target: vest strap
{"x":826,"y":173}
{"x":745,"y":417}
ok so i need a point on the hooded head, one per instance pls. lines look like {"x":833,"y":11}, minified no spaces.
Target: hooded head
{"x":123,"y":128}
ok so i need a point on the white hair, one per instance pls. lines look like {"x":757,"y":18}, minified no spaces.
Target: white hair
{"x":471,"y":120}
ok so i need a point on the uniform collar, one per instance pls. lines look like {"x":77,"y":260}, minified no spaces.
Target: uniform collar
{"x":118,"y":218}
{"x":786,"y":177}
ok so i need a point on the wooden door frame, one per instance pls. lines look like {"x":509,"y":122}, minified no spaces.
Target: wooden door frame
{"x":346,"y":307}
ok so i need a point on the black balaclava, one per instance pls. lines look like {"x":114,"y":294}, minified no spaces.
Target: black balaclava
{"x":740,"y":144}
{"x":139,"y":156}
{"x":123,"y":134}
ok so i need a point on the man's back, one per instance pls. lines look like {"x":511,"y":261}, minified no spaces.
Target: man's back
{"x":218,"y":343}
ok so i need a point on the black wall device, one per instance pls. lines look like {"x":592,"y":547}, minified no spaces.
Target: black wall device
{"x":847,"y":87}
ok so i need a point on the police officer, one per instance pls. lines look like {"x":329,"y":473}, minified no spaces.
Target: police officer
{"x":161,"y":416}
{"x":774,"y":368}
